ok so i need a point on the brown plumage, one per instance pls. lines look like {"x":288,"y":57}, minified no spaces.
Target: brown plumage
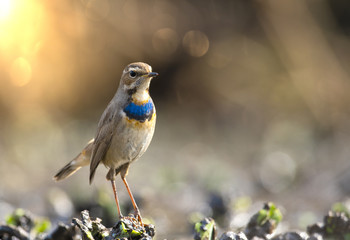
{"x":124,"y":131}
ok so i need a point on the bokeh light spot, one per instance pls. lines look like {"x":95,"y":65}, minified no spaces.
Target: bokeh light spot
{"x":165,"y":41}
{"x":21,"y":72}
{"x":196,"y":43}
{"x":277,"y":172}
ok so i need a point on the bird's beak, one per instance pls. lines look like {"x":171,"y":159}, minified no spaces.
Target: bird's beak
{"x":152,"y":74}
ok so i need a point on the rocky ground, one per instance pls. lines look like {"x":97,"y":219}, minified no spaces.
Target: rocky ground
{"x":262,"y":225}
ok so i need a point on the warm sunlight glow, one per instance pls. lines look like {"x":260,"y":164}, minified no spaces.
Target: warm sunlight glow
{"x":21,"y":72}
{"x":21,"y":29}
{"x":5,"y":8}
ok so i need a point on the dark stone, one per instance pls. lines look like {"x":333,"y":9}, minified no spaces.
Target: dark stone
{"x":233,"y":236}
{"x":63,"y":232}
{"x":315,"y":228}
{"x":10,"y":233}
{"x":291,"y":236}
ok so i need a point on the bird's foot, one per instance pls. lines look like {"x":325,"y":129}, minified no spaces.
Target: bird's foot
{"x":139,"y":218}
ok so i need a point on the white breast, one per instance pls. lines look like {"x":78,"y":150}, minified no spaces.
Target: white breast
{"x":141,"y":96}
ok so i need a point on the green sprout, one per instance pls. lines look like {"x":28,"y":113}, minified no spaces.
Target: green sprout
{"x":272,"y":213}
{"x":205,"y":229}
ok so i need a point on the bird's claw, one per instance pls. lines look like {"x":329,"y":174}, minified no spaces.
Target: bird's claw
{"x":139,"y":218}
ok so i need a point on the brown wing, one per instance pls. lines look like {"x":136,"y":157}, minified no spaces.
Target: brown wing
{"x":103,"y":139}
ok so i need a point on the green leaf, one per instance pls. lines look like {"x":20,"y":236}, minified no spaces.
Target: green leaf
{"x":273,"y":213}
{"x":42,"y":226}
{"x":341,"y":208}
{"x":262,"y":217}
{"x":13,"y":219}
{"x":205,"y":229}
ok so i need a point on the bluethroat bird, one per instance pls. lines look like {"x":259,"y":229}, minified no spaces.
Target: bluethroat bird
{"x":124,"y":131}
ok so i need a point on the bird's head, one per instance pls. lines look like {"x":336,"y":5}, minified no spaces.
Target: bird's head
{"x":136,"y":78}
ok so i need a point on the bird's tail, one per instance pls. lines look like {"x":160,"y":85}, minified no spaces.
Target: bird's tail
{"x":79,"y":161}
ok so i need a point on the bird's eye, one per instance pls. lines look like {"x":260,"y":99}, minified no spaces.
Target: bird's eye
{"x":132,"y":74}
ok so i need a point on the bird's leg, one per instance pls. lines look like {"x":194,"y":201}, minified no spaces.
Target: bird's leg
{"x":137,"y":211}
{"x":116,"y":198}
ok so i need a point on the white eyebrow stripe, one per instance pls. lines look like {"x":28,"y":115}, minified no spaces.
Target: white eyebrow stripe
{"x":132,"y":69}
{"x":135,"y":68}
{"x":138,"y":67}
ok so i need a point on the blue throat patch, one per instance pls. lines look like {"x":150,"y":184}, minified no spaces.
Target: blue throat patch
{"x":139,"y":112}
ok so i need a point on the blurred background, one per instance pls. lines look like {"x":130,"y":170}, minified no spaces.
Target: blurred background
{"x":252,"y":102}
